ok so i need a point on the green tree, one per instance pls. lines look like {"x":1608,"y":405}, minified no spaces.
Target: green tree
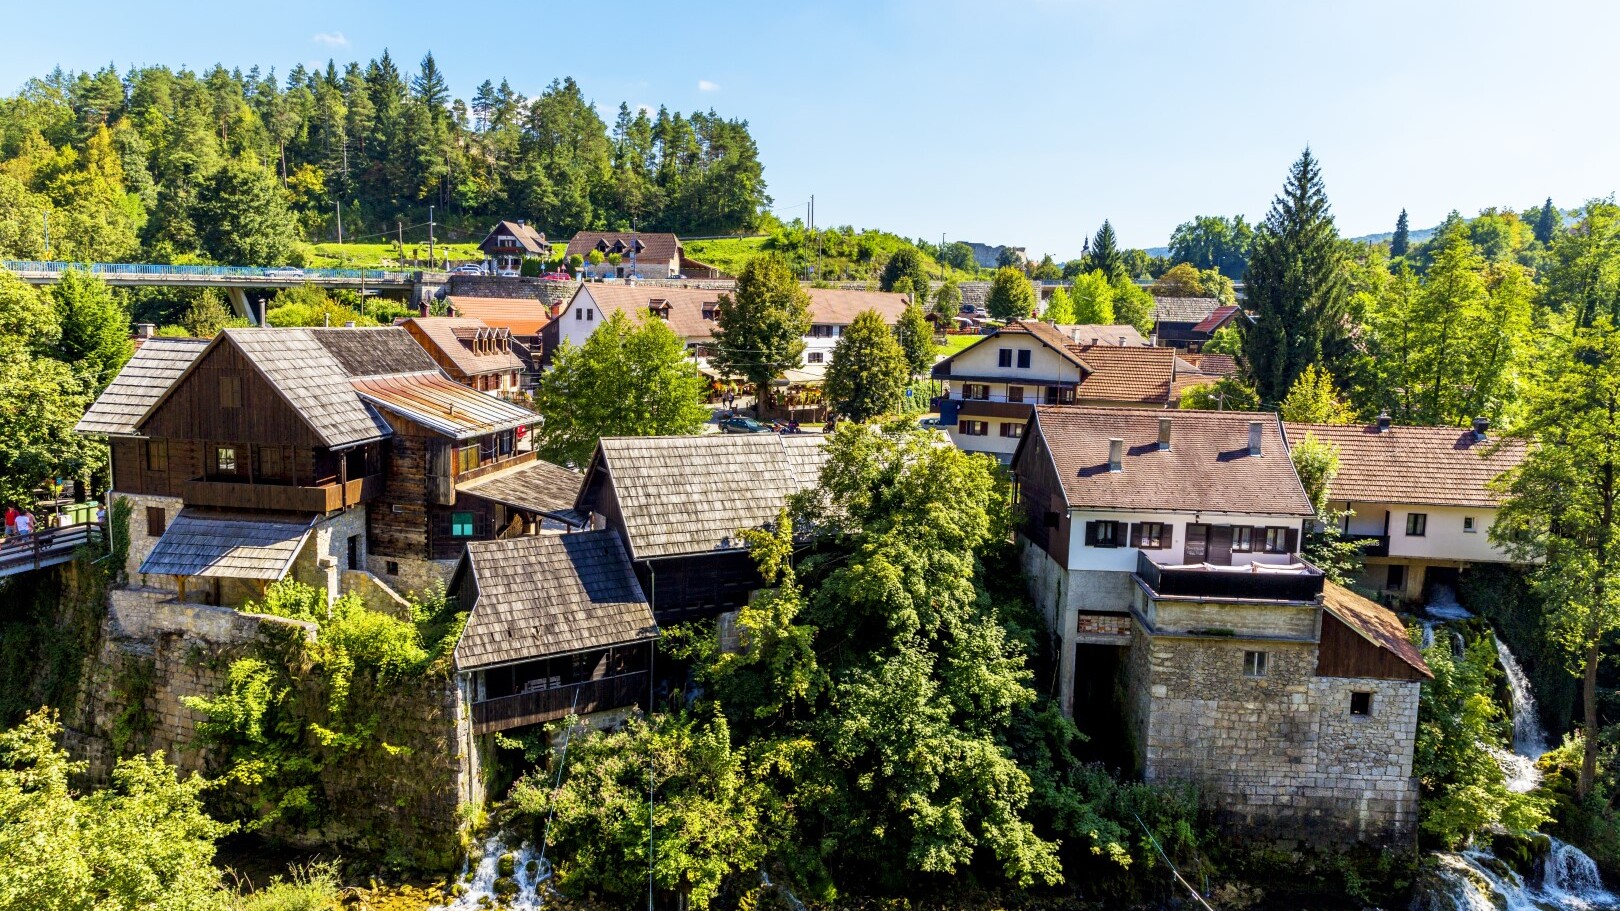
{"x":1295,"y":285}
{"x":1560,"y":502}
{"x":1225,"y":394}
{"x":1181,"y":281}
{"x":310,"y":305}
{"x":1060,"y":308}
{"x":44,"y":399}
{"x":1104,"y":256}
{"x":1226,"y":340}
{"x":1093,"y":299}
{"x":1402,"y":241}
{"x":143,"y":843}
{"x":947,"y":304}
{"x":1583,"y":278}
{"x":95,"y":328}
{"x":207,"y":314}
{"x":1133,"y":306}
{"x":761,"y":323}
{"x":27,"y":320}
{"x":22,"y":220}
{"x":1325,"y":546}
{"x":1547,"y":223}
{"x":867,"y":374}
{"x":1213,"y":242}
{"x":1047,"y":270}
{"x":916,"y":337}
{"x":907,"y":262}
{"x":1011,"y":296}
{"x":628,"y":379}
{"x":243,"y":217}
{"x":1315,"y":400}
{"x":958,"y":255}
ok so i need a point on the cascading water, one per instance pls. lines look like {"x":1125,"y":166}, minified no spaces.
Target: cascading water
{"x":1529,"y":738}
{"x":484,"y":886}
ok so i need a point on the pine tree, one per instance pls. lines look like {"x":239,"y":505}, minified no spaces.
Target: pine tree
{"x":867,"y":374}
{"x":1547,"y":224}
{"x":1402,"y":240}
{"x":1104,"y":256}
{"x":429,"y":86}
{"x":1295,"y":285}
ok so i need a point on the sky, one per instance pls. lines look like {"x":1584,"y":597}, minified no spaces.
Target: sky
{"x":1021,"y":122}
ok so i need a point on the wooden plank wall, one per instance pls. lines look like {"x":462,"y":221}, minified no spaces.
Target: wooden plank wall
{"x":1345,"y":653}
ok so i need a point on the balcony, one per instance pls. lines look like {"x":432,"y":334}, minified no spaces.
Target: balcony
{"x":506,"y":712}
{"x":322,"y":498}
{"x":1371,"y":545}
{"x":1255,"y":582}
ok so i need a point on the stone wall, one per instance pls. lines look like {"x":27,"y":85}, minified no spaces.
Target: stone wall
{"x":140,"y":543}
{"x":1061,"y":595}
{"x":1279,"y":756}
{"x":154,"y":651}
{"x":412,"y":576}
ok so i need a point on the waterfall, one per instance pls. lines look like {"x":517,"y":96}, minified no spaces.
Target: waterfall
{"x":1529,"y":738}
{"x":484,"y":885}
{"x":1474,"y":880}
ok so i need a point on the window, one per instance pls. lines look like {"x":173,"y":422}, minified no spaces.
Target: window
{"x":975,"y":428}
{"x":1060,"y":395}
{"x":1005,"y":356}
{"x":1254,"y":664}
{"x":979,"y":391}
{"x":1151,"y":535}
{"x":354,"y":552}
{"x":1417,"y":524}
{"x":156,"y":521}
{"x":590,"y":314}
{"x":1468,"y":525}
{"x":225,"y":459}
{"x":270,"y":462}
{"x":1009,"y":429}
{"x":1242,"y":539}
{"x":230,"y":391}
{"x":708,"y":313}
{"x":1015,"y":393}
{"x":1102,"y":534}
{"x":461,"y":524}
{"x":466,"y":458}
{"x":1396,"y":580}
{"x":814,"y":357}
{"x":1278,"y":540}
{"x":821,"y":332}
{"x":1361,"y":703}
{"x":579,"y":314}
{"x":392,"y":567}
{"x":1023,"y":358}
{"x":157,"y":455}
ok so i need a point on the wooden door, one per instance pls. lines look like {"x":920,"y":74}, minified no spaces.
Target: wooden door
{"x":1220,"y":545}
{"x":1197,"y":549}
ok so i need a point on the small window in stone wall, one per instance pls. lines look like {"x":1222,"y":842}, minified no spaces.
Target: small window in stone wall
{"x":393,"y":568}
{"x":1254,"y":664}
{"x":1361,"y":703}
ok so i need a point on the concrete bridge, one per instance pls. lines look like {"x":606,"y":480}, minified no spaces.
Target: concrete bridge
{"x":238,"y":281}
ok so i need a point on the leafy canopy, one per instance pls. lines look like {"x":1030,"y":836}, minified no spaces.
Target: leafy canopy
{"x":869,"y":369}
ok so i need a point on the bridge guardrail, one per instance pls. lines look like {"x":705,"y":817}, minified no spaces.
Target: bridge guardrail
{"x":155,"y":269}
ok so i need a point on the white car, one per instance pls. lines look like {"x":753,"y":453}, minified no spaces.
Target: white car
{"x":507,"y":273}
{"x":284,"y":272}
{"x":468,"y":269}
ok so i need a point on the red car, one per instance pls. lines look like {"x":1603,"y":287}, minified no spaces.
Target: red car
{"x":557,"y":277}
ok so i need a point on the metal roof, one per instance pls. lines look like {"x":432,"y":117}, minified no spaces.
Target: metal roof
{"x":234,"y":548}
{"x":442,"y":405}
{"x":156,"y":364}
{"x":549,"y":595}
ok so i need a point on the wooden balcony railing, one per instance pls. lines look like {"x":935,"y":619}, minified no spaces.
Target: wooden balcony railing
{"x":323,"y":498}
{"x":506,"y":712}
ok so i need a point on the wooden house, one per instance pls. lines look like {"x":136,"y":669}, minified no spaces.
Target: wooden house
{"x":311,"y":452}
{"x":509,"y":243}
{"x":680,"y":502}
{"x":475,"y":354}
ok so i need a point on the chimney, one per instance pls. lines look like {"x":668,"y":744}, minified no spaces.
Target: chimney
{"x":1122,"y":341}
{"x":145,"y":330}
{"x":1383,"y":421}
{"x":1116,"y":454}
{"x":1164,"y":433}
{"x":1255,"y":429}
{"x":1481,"y":425}
{"x":348,"y":324}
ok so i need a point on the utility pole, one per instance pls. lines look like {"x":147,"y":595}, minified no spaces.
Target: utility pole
{"x":340,"y":222}
{"x":47,"y":235}
{"x":431,"y":258}
{"x":399,"y":228}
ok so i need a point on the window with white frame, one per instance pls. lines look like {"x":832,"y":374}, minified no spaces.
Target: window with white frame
{"x":1254,"y":664}
{"x":1011,"y":429}
{"x":1468,"y":525}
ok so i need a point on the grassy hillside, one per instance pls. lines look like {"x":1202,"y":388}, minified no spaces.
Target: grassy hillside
{"x":836,"y":254}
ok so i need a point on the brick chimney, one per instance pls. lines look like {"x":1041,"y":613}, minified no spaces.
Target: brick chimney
{"x":1256,"y":428}
{"x":1116,"y":454}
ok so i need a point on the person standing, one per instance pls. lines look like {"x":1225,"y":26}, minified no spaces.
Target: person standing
{"x":25,"y":523}
{"x":11,"y":520}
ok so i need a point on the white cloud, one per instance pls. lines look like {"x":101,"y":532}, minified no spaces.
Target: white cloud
{"x":330,"y":39}
{"x":705,"y":85}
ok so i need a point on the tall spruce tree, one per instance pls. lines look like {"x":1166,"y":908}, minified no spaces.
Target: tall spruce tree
{"x":1105,"y":257}
{"x":1295,"y":285}
{"x":1547,"y":223}
{"x":1403,"y":237}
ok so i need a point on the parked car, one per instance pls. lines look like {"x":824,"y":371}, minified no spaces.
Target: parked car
{"x":970,"y":309}
{"x":744,"y":425}
{"x":929,"y":423}
{"x":468,"y":269}
{"x":507,"y":273}
{"x":284,"y":272}
{"x":557,"y":277}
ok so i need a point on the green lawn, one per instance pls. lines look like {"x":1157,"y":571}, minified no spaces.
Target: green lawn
{"x":377,"y":256}
{"x":955,"y":343}
{"x":728,"y":254}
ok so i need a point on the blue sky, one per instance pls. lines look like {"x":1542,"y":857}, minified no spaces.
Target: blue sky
{"x":1025,"y":121}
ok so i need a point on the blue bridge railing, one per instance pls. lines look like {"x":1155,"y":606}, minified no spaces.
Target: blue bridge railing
{"x":275,"y":273}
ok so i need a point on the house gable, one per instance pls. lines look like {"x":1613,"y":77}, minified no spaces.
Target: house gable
{"x":195,"y":406}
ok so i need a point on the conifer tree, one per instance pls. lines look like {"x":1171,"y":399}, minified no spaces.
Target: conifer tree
{"x":1547,"y":224}
{"x":1295,"y":285}
{"x":868,"y":371}
{"x":1104,"y":256}
{"x":1402,"y":240}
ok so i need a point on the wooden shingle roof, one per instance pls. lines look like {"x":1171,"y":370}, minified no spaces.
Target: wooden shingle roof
{"x":471,"y":345}
{"x":313,"y":381}
{"x":536,"y":486}
{"x":197,"y":544}
{"x":547,"y":595}
{"x":441,"y":404}
{"x":1207,"y":468}
{"x":1183,"y":309}
{"x":142,"y":381}
{"x":692,"y":494}
{"x":374,"y":350}
{"x":1422,"y":466}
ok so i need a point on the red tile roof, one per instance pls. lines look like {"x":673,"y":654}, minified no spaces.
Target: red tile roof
{"x":459,"y":340}
{"x":1216,"y":320}
{"x":1426,"y":466}
{"x":838,"y":307}
{"x":524,"y":316}
{"x":657,"y":248}
{"x":1374,"y":623}
{"x":1207,"y":468}
{"x":1139,"y":375}
{"x":684,"y":306}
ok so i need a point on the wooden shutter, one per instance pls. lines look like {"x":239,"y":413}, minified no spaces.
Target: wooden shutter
{"x":1136,"y":534}
{"x":1091,"y":534}
{"x":1257,"y":544}
{"x":1292,"y":540}
{"x":156,"y":521}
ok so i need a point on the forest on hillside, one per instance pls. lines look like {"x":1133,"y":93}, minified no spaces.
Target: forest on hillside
{"x":246,"y":168}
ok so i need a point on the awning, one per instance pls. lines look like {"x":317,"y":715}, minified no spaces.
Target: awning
{"x":231,"y":548}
